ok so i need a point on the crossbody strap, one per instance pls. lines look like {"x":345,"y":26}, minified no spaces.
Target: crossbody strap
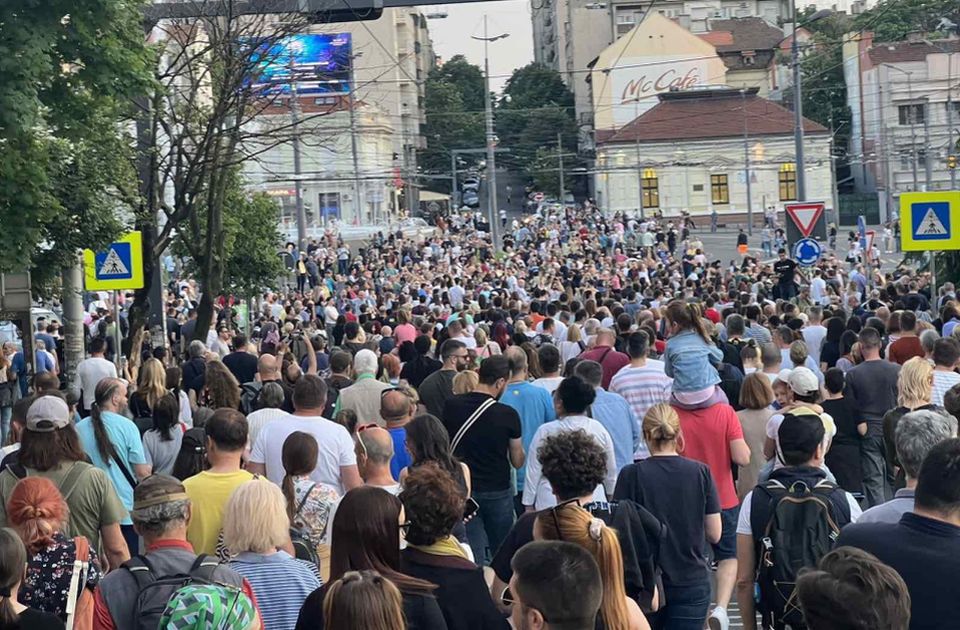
{"x":303,"y":501}
{"x":78,"y":579}
{"x":470,"y":422}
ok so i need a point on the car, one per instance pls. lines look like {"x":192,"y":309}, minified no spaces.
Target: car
{"x":471,"y":199}
{"x":471,"y":183}
{"x":10,"y":332}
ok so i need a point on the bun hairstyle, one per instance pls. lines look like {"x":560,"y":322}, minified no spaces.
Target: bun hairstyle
{"x":37,"y":511}
{"x":13,"y":562}
{"x":661,"y":424}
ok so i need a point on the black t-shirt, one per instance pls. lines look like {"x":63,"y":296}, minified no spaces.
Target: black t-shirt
{"x":785,"y":270}
{"x":242,"y":365}
{"x":38,"y":620}
{"x":485,"y":446}
{"x":845,"y":417}
{"x":679,"y":492}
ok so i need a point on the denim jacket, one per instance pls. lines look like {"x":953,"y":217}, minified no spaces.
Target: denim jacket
{"x":690,"y":362}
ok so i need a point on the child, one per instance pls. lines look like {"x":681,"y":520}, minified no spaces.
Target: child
{"x":691,"y":358}
{"x":750,"y":357}
{"x":844,"y":456}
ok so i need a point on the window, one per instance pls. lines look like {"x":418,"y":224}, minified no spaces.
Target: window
{"x":911,"y":114}
{"x":788,"y":182}
{"x":906,"y":159}
{"x":719,"y":190}
{"x":651,"y":189}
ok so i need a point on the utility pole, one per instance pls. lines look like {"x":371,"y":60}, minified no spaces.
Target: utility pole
{"x":453,"y":177}
{"x":927,"y":158}
{"x":563,"y":189}
{"x":746,"y":162}
{"x":297,"y":165}
{"x":797,"y":109}
{"x":636,"y":114}
{"x":357,"y":201}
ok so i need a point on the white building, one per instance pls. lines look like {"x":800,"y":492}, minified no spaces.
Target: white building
{"x":687,"y":153}
{"x":905,"y":100}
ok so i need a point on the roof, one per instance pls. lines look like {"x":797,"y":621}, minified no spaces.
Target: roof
{"x":700,"y":114}
{"x":747,"y":33}
{"x":899,"y":52}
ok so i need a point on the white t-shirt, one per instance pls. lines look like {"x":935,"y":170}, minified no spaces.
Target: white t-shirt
{"x":548,"y":383}
{"x":743,"y":521}
{"x":91,"y":371}
{"x":813,"y":338}
{"x":336,"y":448}
{"x":773,"y":432}
{"x":259,"y":418}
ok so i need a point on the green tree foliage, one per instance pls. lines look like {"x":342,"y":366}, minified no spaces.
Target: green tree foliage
{"x":891,"y":20}
{"x":544,"y":172}
{"x":454,"y":114}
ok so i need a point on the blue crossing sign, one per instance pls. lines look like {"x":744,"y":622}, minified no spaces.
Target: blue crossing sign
{"x":927,"y":221}
{"x":118,"y":267}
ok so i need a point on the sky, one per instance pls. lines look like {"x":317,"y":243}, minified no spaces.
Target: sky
{"x":451,"y":35}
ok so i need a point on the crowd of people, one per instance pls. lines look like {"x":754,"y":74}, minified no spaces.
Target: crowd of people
{"x":590,"y":425}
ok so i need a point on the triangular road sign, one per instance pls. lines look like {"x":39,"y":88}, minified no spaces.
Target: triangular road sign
{"x":931,"y":225}
{"x":805,"y":216}
{"x":113,"y":265}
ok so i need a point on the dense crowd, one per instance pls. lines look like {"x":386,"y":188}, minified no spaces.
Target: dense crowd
{"x":593,"y":424}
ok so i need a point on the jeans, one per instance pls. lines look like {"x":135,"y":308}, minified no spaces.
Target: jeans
{"x":491,"y":524}
{"x":685,"y":609}
{"x":5,"y":414}
{"x":874,"y":466}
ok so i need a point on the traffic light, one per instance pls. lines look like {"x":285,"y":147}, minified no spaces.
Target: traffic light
{"x":951,"y":161}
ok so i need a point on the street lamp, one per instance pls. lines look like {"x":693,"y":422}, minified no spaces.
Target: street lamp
{"x":797,"y":97}
{"x":491,"y":139}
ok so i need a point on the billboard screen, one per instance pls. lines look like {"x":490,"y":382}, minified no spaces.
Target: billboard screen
{"x":319,"y":63}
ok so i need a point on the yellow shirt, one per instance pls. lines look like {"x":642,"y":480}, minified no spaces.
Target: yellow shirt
{"x":208,"y":494}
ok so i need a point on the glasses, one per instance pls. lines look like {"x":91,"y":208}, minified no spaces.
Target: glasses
{"x":556,"y":521}
{"x":506,"y":597}
{"x":361,"y":429}
{"x":405,"y":527}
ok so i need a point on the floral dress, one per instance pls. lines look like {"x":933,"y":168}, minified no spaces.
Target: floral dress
{"x":313,"y":517}
{"x":47,"y":580}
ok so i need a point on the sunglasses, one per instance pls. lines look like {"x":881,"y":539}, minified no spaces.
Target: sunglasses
{"x":361,"y":429}
{"x":553,"y":515}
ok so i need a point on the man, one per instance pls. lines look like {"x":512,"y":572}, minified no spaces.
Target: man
{"x":604,"y":353}
{"x":121,"y":456}
{"x":770,"y":359}
{"x":489,"y":445}
{"x":241,"y":363}
{"x":533,"y":404}
{"x":916,"y":434}
{"x":614,"y":413}
{"x":161,"y":514}
{"x":268,"y":371}
{"x":227,"y":437}
{"x":221,"y":342}
{"x":336,"y":462}
{"x":422,"y":365}
{"x":914,"y":300}
{"x":801,"y":446}
{"x":755,"y":330}
{"x":195,"y":366}
{"x":924,"y":546}
{"x":351,"y":339}
{"x":375,"y":452}
{"x":814,"y":333}
{"x":907,"y":344}
{"x":458,"y":333}
{"x":946,"y":354}
{"x":735,"y":328}
{"x":641,"y":384}
{"x":396,"y":410}
{"x":92,"y":370}
{"x":341,"y":377}
{"x":363,"y":397}
{"x":786,"y":270}
{"x":549,"y":357}
{"x":574,"y":396}
{"x":437,"y":388}
{"x":555,"y":585}
{"x":714,"y":437}
{"x":872,"y":390}
{"x":785,"y":339}
{"x":271,"y":397}
{"x":818,"y":288}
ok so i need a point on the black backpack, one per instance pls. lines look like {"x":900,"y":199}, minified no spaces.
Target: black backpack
{"x":250,"y":396}
{"x":302,"y":547}
{"x":800,"y":530}
{"x":153,"y":592}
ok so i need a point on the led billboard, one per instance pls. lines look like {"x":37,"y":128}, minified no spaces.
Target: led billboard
{"x":319,"y":63}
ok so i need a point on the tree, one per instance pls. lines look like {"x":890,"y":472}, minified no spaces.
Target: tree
{"x":544,"y":171}
{"x":892,"y":20}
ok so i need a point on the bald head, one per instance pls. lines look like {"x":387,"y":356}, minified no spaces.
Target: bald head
{"x":268,"y":367}
{"x":518,"y":360}
{"x":377,"y":444}
{"x":395,"y":407}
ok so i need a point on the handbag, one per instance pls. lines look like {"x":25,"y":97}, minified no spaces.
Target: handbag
{"x":79,"y":606}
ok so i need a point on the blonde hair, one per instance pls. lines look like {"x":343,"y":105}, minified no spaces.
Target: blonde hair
{"x":153,"y":381}
{"x":573,"y":333}
{"x":255,"y":518}
{"x":915,"y":382}
{"x":571,"y":523}
{"x":480,"y":336}
{"x":756,"y":391}
{"x":464,"y":382}
{"x":798,"y":353}
{"x":661,"y":424}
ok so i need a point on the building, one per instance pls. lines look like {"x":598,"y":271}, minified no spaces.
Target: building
{"x":905,"y":103}
{"x":696,"y":149}
{"x":390,"y":58}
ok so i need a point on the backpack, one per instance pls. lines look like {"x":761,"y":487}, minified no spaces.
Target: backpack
{"x":192,"y":456}
{"x":79,"y":606}
{"x":249,"y":395}
{"x":154,"y":592}
{"x":302,"y":547}
{"x":800,"y":530}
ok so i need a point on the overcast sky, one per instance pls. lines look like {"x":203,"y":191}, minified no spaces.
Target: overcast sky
{"x":451,"y":35}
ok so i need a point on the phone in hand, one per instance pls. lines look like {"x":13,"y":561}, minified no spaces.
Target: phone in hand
{"x":470,"y":508}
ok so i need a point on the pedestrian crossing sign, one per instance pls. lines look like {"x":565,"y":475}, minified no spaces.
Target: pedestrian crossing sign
{"x":926,"y":221}
{"x":118,"y":267}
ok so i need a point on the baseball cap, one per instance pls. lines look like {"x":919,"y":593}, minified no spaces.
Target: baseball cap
{"x":803,"y":381}
{"x":48,"y":413}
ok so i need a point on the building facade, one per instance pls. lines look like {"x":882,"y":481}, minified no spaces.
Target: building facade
{"x":695,"y":151}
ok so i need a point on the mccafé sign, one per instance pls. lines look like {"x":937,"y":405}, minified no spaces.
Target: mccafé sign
{"x":636,"y":81}
{"x":650,"y":83}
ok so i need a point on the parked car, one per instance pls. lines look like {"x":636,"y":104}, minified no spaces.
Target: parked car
{"x":471,"y":199}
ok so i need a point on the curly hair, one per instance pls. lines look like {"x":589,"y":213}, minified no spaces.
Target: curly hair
{"x":433,"y":502}
{"x":222,"y":386}
{"x":573,"y":462}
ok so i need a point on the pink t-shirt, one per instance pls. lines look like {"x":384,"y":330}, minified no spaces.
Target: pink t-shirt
{"x":707,"y":434}
{"x":405,"y":332}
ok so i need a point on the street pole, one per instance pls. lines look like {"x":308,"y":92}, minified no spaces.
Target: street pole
{"x":357,"y":202}
{"x":297,"y":166}
{"x":453,"y":178}
{"x":72,"y":299}
{"x":951,"y":147}
{"x":746,"y":163}
{"x":797,"y":110}
{"x":491,"y":149}
{"x":560,"y":162}
{"x":927,"y":158}
{"x":636,"y":114}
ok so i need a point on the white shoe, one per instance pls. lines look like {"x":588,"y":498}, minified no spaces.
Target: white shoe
{"x":718,"y":619}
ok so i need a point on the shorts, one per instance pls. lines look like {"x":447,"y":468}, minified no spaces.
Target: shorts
{"x":726,"y":549}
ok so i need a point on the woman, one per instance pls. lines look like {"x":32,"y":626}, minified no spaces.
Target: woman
{"x":847,"y":358}
{"x":464,"y":382}
{"x":573,"y":346}
{"x":174,"y":375}
{"x":50,"y":448}
{"x":390,"y":369}
{"x":363,"y":599}
{"x":428,"y":442}
{"x":533,"y":360}
{"x":830,"y":351}
{"x":151,"y":387}
{"x":13,"y":614}
{"x":434,"y":505}
{"x":914,"y":390}
{"x":161,"y":444}
{"x":756,"y":396}
{"x":308,"y":502}
{"x":485,"y":347}
{"x":220,"y":388}
{"x":9,"y":393}
{"x":367,"y":536}
{"x":682,"y":494}
{"x":405,"y":331}
{"x":38,"y":513}
{"x":255,"y":528}
{"x":571,"y":523}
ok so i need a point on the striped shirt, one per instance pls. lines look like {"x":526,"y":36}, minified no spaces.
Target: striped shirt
{"x":280,"y":583}
{"x":642,"y":387}
{"x":942,"y":382}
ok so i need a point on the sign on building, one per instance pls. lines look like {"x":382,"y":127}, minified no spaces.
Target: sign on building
{"x":117,"y":268}
{"x":927,"y":221}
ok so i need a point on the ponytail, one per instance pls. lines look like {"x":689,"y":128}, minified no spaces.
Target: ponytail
{"x":104,"y":392}
{"x":613,"y":607}
{"x":289,"y":493}
{"x":13,"y":559}
{"x":687,"y":316}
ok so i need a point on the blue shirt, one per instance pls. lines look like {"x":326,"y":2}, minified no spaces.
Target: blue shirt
{"x":617,"y":417}
{"x":534,"y":405}
{"x":125,"y":436}
{"x":401,"y":458}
